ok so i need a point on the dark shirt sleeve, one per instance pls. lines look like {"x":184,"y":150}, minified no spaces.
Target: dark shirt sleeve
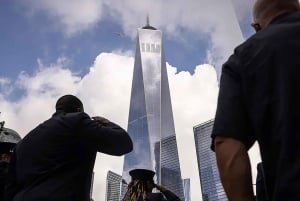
{"x":108,"y":138}
{"x":231,"y":117}
{"x":170,"y":196}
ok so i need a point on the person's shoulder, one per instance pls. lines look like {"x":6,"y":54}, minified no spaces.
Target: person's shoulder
{"x":155,"y":196}
{"x":247,"y":45}
{"x":77,"y":115}
{"x":73,"y":115}
{"x":243,"y":52}
{"x":292,"y":17}
{"x":74,"y":118}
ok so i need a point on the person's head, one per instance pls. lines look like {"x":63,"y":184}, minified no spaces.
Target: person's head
{"x":69,"y":104}
{"x":141,"y":183}
{"x":264,"y":11}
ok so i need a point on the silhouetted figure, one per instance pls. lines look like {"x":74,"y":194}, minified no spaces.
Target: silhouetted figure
{"x":141,"y":186}
{"x":8,"y":140}
{"x":55,"y":161}
{"x":259,"y":101}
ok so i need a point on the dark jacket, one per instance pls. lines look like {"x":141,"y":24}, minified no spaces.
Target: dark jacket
{"x":55,"y":161}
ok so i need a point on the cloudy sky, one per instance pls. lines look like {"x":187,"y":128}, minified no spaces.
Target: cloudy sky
{"x":86,"y":47}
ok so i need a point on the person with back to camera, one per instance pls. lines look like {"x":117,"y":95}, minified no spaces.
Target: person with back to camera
{"x":8,"y":140}
{"x":141,"y":186}
{"x":259,"y":101}
{"x":55,"y":161}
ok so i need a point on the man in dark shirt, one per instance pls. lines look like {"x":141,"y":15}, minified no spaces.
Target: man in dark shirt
{"x":55,"y":161}
{"x":259,"y":100}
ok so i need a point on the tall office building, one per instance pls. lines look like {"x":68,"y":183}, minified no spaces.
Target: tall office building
{"x":113,"y":184}
{"x":150,"y":122}
{"x":187,"y":189}
{"x":166,"y":157}
{"x":211,"y":186}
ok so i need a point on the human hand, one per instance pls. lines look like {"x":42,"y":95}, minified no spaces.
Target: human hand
{"x":101,"y":119}
{"x":5,"y":157}
{"x":161,"y":188}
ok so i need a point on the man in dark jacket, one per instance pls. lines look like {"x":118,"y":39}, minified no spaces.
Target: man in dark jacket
{"x":55,"y":161}
{"x":141,"y":186}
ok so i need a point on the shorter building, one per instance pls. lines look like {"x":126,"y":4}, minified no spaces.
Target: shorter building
{"x":113,"y":186}
{"x":169,"y":174}
{"x":187,"y":189}
{"x":211,"y":186}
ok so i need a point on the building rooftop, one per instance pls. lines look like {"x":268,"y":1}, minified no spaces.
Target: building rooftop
{"x":149,"y":27}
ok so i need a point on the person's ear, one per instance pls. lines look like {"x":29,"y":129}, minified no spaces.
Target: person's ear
{"x":256,"y":26}
{"x":79,"y":109}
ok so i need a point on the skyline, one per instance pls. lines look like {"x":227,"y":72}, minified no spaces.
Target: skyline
{"x":48,"y":50}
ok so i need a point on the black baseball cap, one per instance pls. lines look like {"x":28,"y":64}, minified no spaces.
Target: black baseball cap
{"x":142,"y":174}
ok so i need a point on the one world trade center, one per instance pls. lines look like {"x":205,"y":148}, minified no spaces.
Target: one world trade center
{"x":150,"y":122}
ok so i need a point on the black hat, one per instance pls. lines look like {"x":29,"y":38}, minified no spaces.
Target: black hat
{"x":68,"y":104}
{"x":142,"y":174}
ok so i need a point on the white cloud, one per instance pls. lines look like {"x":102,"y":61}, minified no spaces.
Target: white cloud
{"x":40,"y":93}
{"x":73,"y":16}
{"x":49,"y":81}
{"x":4,"y":81}
{"x":194,"y":100}
{"x":5,"y":86}
{"x":105,"y":91}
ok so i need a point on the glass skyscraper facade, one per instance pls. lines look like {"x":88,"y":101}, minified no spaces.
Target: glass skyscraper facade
{"x":167,"y":168}
{"x":150,"y":122}
{"x":187,"y":189}
{"x":113,"y":184}
{"x":211,"y":186}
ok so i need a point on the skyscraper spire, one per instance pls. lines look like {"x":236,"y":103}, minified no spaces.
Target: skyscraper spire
{"x":147,"y":20}
{"x":148,"y":24}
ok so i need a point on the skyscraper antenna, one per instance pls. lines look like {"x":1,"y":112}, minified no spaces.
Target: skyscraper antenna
{"x":148,"y":24}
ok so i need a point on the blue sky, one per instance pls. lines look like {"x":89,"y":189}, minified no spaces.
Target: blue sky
{"x":52,"y":47}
